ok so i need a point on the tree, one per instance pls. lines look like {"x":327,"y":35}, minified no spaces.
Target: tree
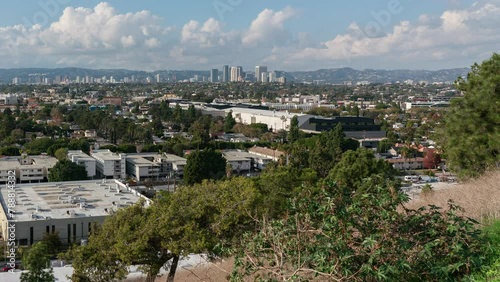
{"x":53,"y":243}
{"x":35,"y":261}
{"x":336,"y":233}
{"x":206,"y":164}
{"x":294,"y":133}
{"x":431,"y":159}
{"x":229,"y":122}
{"x":472,"y":143}
{"x":354,"y":166}
{"x":66,"y":170}
{"x":61,"y":154}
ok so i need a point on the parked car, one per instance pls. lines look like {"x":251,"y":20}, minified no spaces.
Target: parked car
{"x":7,"y":267}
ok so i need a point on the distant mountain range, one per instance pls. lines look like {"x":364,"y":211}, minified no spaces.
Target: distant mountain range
{"x":335,"y":76}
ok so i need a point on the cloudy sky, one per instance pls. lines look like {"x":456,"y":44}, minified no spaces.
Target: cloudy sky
{"x":286,"y":35}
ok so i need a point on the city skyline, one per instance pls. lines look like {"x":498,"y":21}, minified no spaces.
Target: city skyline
{"x":292,"y":36}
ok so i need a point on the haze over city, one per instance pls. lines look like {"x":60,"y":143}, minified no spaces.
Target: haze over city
{"x":291,"y":35}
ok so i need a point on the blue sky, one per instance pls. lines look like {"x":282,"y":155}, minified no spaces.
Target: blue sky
{"x":290,"y":35}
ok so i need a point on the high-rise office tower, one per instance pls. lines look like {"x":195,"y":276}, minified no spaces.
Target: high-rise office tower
{"x":234,"y":74}
{"x":214,"y":75}
{"x":264,"y":77}
{"x":225,"y":74}
{"x":272,"y":77}
{"x":258,"y":72}
{"x":158,"y":78}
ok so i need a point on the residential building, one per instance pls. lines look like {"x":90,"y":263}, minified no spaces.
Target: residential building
{"x":72,"y":209}
{"x":274,"y":155}
{"x":28,"y":169}
{"x":239,"y":161}
{"x":407,"y":163}
{"x":109,"y":164}
{"x":153,"y":166}
{"x":80,"y":158}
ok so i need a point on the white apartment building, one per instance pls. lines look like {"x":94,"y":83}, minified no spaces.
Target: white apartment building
{"x":85,"y":160}
{"x":238,"y":160}
{"x":154,"y":166}
{"x":72,"y":209}
{"x":27,"y":168}
{"x":109,"y":164}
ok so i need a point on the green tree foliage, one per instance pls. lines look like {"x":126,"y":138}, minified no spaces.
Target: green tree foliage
{"x":294,"y":133}
{"x":53,"y":243}
{"x":61,"y":154}
{"x":229,"y":122}
{"x":336,"y":233}
{"x":354,"y":166}
{"x":98,"y":261}
{"x":206,"y":164}
{"x":204,"y":218}
{"x":10,"y":151}
{"x":327,"y":150}
{"x":385,"y":145}
{"x":36,"y":260}
{"x":472,"y":125}
{"x":66,"y":170}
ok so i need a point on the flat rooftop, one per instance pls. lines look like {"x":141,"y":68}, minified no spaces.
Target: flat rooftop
{"x":232,"y":155}
{"x":11,"y":163}
{"x":59,"y":200}
{"x":80,"y":155}
{"x":106,"y":155}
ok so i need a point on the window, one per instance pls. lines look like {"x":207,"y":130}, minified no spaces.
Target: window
{"x":69,"y":233}
{"x":74,"y":232}
{"x":53,"y":229}
{"x":23,"y":242}
{"x":47,"y":229}
{"x":31,"y":235}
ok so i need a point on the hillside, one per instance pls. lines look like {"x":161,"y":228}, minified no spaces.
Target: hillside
{"x":480,"y":198}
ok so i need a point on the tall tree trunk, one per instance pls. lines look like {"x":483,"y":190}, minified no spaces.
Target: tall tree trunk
{"x":173,"y":268}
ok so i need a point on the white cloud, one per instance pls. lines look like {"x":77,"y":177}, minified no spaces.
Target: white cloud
{"x":101,"y":37}
{"x":268,"y":27}
{"x":447,"y":39}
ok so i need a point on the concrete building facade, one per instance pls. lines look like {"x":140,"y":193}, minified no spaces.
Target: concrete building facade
{"x":72,"y":209}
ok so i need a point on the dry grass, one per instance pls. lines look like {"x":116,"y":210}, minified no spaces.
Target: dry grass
{"x":480,"y":198}
{"x":209,"y":272}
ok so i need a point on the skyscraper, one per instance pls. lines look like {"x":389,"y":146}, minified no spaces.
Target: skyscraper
{"x":234,"y":74}
{"x":225,"y":74}
{"x":272,"y":77}
{"x":214,"y":75}
{"x":258,"y":72}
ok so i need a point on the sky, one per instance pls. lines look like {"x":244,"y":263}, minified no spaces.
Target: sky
{"x":283,"y":35}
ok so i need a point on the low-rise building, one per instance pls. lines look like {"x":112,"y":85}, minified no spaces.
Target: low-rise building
{"x":109,"y":164}
{"x":239,"y":161}
{"x":407,"y":164}
{"x":274,"y":155}
{"x":85,"y":160}
{"x":71,"y":209}
{"x":154,"y":166}
{"x":27,"y":168}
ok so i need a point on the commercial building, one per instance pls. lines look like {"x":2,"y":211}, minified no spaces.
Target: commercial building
{"x":85,"y":160}
{"x":214,"y":75}
{"x":225,"y":74}
{"x":72,"y":209}
{"x":109,"y":164}
{"x":275,"y":120}
{"x":354,"y":127}
{"x":259,"y":70}
{"x":27,"y":168}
